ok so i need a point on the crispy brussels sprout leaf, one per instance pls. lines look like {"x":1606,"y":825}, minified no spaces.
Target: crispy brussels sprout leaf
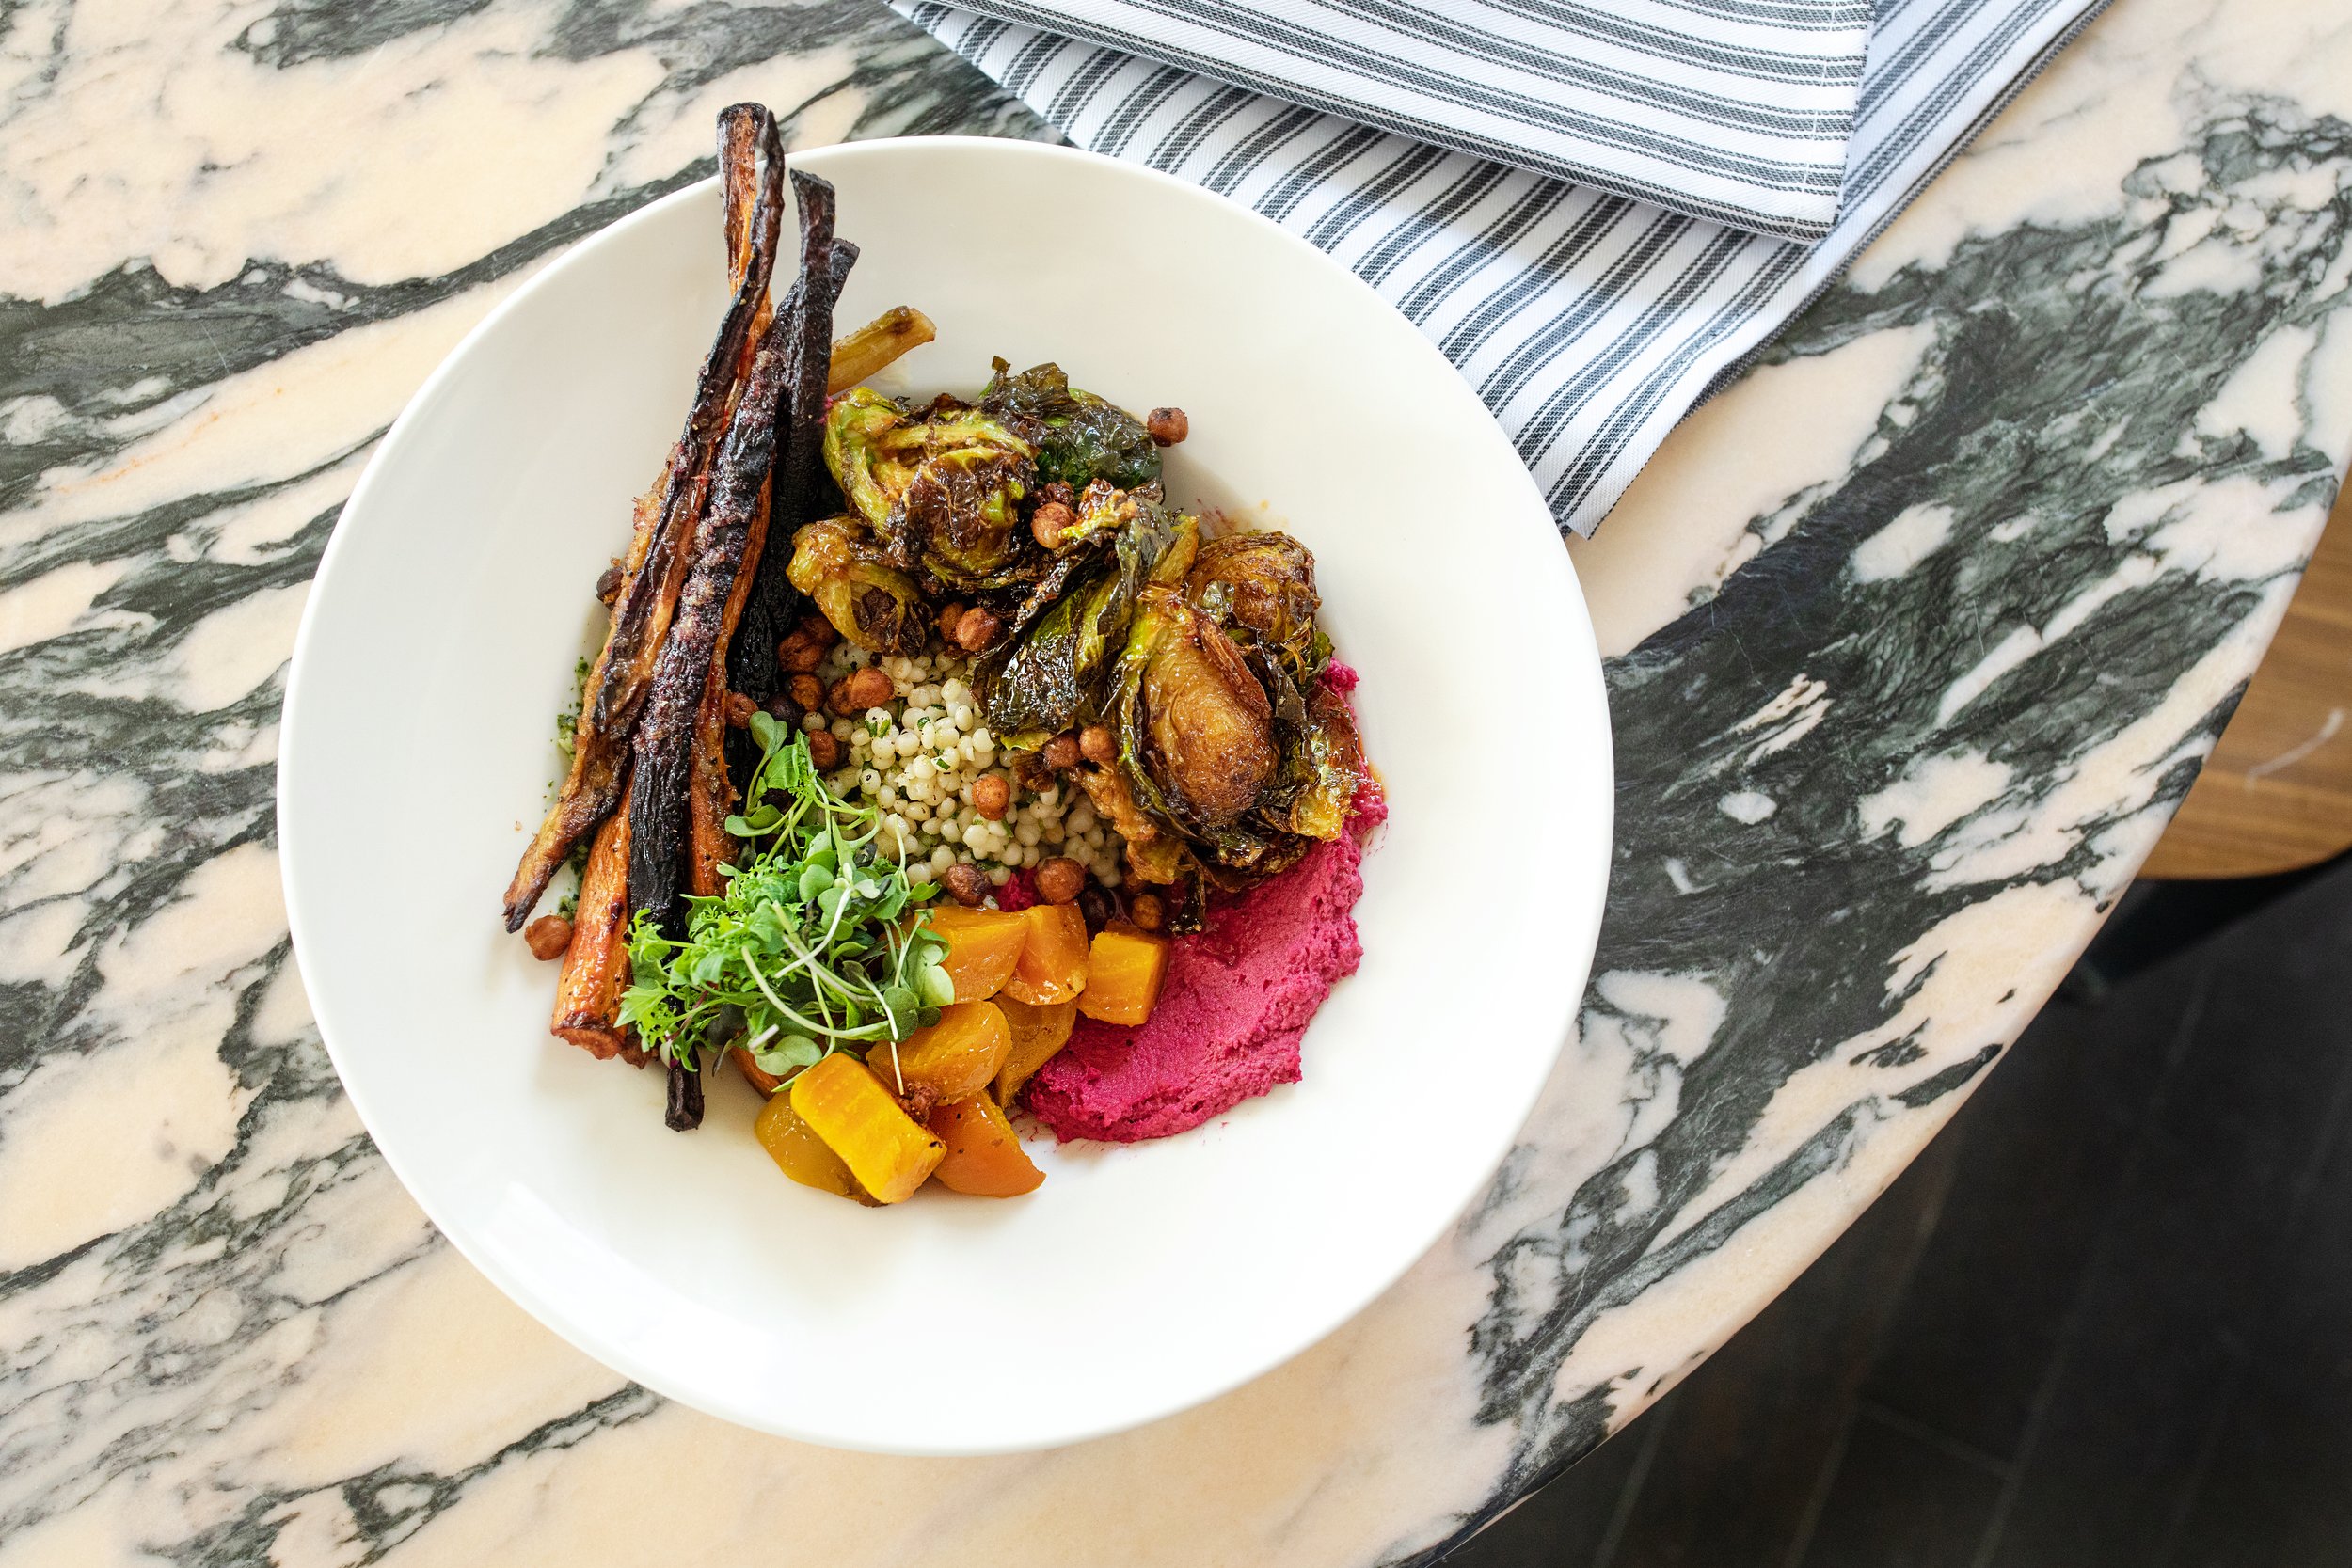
{"x":1261,"y":588}
{"x":960,"y":515}
{"x":1086,"y":438}
{"x":868,"y":451}
{"x":940,"y":490}
{"x":1049,"y":676}
{"x":1330,"y":755}
{"x":1033,"y":688}
{"x":1154,"y":852}
{"x":1196,"y":729}
{"x":869,"y":602}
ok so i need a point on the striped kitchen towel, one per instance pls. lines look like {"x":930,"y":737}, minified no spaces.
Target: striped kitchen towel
{"x":1589,"y":321}
{"x":1736,"y":111}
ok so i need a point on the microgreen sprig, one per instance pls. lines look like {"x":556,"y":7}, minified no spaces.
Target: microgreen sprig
{"x":808,"y":945}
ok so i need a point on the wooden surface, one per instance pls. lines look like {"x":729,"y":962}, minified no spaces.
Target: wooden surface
{"x":2277,"y":794}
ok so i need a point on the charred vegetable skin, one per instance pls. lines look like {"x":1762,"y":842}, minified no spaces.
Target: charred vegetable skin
{"x":1081,"y":437}
{"x":622,"y":675}
{"x":798,"y":486}
{"x":940,"y":490}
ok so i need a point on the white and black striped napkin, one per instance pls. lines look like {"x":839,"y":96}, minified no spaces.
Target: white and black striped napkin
{"x":1733,"y":110}
{"x":1589,"y":321}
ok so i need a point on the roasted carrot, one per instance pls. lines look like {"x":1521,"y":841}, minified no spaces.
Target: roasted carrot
{"x":710,"y":793}
{"x":620,"y":679}
{"x":595,"y":966}
{"x":799,"y":481}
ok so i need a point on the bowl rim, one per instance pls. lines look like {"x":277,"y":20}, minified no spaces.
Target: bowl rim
{"x":1571,"y":621}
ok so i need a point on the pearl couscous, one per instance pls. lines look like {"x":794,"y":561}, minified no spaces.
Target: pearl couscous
{"x":917,"y":758}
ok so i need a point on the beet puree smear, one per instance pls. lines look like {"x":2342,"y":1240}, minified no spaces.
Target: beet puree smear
{"x":1238,"y":996}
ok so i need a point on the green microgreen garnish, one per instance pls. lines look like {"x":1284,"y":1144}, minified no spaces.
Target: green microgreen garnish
{"x":807,"y":945}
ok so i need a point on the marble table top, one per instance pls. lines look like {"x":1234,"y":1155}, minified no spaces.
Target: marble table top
{"x":1917,"y":635}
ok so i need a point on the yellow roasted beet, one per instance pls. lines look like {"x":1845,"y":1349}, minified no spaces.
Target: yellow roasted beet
{"x":983,"y":1155}
{"x":1124,"y":976}
{"x":1053,"y":962}
{"x":953,"y":1058}
{"x":887,"y":1152}
{"x":803,"y":1156}
{"x":982,"y":947}
{"x":1037,"y":1033}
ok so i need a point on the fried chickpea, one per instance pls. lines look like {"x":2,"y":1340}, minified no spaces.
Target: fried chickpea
{"x":800,"y":654}
{"x":1148,"y":910}
{"x":740,"y":711}
{"x":949,"y":613}
{"x":966,"y":884}
{"x":548,"y":936}
{"x":858,"y":690}
{"x":1061,"y":880}
{"x":1096,"y":745}
{"x":1168,"y":425}
{"x":1051,"y":524}
{"x":824,"y":749}
{"x":817,"y":629}
{"x":991,"y":797}
{"x":807,"y":690}
{"x":1062,"y":753}
{"x":609,"y":584}
{"x":976,"y":629}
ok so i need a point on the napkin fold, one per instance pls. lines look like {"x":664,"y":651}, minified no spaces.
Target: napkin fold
{"x":1737,"y":111}
{"x":1589,"y":321}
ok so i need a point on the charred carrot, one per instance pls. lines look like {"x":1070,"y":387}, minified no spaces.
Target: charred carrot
{"x":619,"y":681}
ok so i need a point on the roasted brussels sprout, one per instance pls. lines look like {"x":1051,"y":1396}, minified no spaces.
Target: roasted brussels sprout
{"x":1049,"y":676}
{"x":1194,"y":715}
{"x":869,"y":602}
{"x":1085,"y":437}
{"x":1323,"y":767}
{"x":868,"y":453}
{"x":1261,"y":588}
{"x":940,"y":490}
{"x":961,"y":519}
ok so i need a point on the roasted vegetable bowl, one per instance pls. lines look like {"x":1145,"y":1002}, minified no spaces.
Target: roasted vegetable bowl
{"x":920,"y":731}
{"x":440,"y":636}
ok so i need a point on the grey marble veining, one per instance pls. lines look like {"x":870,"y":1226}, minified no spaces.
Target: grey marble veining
{"x":1964,"y":680}
{"x":1917,"y":633}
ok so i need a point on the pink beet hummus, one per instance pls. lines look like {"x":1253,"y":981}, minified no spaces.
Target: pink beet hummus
{"x":1238,"y":996}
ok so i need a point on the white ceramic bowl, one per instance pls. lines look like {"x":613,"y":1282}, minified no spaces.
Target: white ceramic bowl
{"x":439,"y":646}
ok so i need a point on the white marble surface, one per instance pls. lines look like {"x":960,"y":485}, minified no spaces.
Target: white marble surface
{"x":1920,"y":629}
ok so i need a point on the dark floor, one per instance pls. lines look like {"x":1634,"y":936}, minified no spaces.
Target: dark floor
{"x":2105,"y":1320}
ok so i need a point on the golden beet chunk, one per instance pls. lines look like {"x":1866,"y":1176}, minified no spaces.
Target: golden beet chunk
{"x":1053,"y":963}
{"x":1038,"y":1032}
{"x":800,"y":1153}
{"x":888,"y":1152}
{"x":984,"y":1155}
{"x":1125,"y":973}
{"x":983,"y":945}
{"x":956,"y":1058}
